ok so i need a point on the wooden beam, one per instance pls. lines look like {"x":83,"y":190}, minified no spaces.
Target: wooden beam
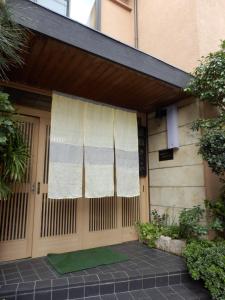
{"x":25,"y":87}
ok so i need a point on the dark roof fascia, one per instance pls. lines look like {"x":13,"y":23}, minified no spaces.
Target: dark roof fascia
{"x":49,"y":23}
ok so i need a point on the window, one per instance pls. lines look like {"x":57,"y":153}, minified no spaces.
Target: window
{"x":86,"y":12}
{"x":59,"y":6}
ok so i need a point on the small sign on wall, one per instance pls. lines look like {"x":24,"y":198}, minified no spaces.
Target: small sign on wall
{"x":166,"y":154}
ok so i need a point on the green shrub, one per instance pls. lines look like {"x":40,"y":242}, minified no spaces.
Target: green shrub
{"x":159,"y":220}
{"x":148,"y":233}
{"x":13,"y":148}
{"x":206,"y":261}
{"x":216,"y":211}
{"x":172,"y":231}
{"x":189,"y":220}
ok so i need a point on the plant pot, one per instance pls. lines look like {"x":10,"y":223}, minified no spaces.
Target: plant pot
{"x":168,"y":244}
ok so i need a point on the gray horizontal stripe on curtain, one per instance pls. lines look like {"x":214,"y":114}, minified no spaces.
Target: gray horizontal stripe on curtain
{"x":99,"y":156}
{"x":127,"y":159}
{"x":66,"y":153}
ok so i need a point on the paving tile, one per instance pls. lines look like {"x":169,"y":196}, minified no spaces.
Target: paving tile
{"x":76,"y":292}
{"x":135,"y":284}
{"x":155,"y":294}
{"x":138,"y":294}
{"x":166,"y":290}
{"x":25,"y":297}
{"x":174,"y":279}
{"x":30,"y":278}
{"x":91,"y":290}
{"x":44,"y":295}
{"x":120,"y":276}
{"x":76,"y":281}
{"x":16,"y":280}
{"x":91,"y":279}
{"x":105,"y":277}
{"x":25,"y":287}
{"x":133,"y":274}
{"x":43,"y":285}
{"x":8,"y":290}
{"x":60,"y":294}
{"x":109,"y":297}
{"x":174,"y":297}
{"x":124,"y":296}
{"x":161,"y":281}
{"x":148,"y":282}
{"x":59,"y":283}
{"x":122,"y":286}
{"x":107,"y":288}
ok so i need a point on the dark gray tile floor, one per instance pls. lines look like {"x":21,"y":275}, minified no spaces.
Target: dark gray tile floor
{"x":142,"y":261}
{"x":147,"y":274}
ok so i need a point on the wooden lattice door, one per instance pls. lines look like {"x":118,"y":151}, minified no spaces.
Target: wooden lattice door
{"x":74,"y":224}
{"x":16,"y":212}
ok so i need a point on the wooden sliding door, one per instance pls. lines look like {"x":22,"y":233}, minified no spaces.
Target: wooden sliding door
{"x":16,"y":212}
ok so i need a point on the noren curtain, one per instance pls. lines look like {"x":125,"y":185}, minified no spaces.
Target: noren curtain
{"x":66,"y":148}
{"x":126,"y":153}
{"x":88,"y":136}
{"x":98,"y":150}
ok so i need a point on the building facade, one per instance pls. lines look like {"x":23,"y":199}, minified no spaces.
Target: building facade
{"x":120,"y":64}
{"x":177,"y":32}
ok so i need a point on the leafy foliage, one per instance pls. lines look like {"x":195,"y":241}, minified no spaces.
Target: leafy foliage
{"x":13,"y":149}
{"x":148,"y":233}
{"x":217,"y":213}
{"x":189,"y":226}
{"x":208,"y":84}
{"x":12,"y":40}
{"x":189,"y":221}
{"x":159,"y":220}
{"x":209,"y":77}
{"x":206,"y":260}
{"x":172,"y":231}
{"x":212,"y":142}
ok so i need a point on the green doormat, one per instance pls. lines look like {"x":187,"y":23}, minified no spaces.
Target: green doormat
{"x":84,"y":259}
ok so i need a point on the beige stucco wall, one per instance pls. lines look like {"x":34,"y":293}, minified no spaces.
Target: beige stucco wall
{"x":177,"y":183}
{"x":117,"y":21}
{"x":210,"y":15}
{"x":168,"y":31}
{"x":180,"y":31}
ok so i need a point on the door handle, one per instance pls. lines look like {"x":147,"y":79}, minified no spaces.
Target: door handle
{"x":38,"y":188}
{"x":33,"y":187}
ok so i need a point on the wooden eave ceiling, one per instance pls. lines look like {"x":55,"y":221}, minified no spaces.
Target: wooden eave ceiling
{"x":51,"y":64}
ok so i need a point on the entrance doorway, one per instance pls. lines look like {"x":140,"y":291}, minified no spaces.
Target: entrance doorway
{"x":33,"y":225}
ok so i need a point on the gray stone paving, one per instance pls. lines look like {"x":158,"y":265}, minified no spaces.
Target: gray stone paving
{"x":148,"y":274}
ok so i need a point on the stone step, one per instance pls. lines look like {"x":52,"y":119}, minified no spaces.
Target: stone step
{"x":189,"y":291}
{"x":174,"y":286}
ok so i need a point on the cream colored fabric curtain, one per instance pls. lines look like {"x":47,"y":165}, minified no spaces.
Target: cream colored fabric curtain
{"x":66,"y":148}
{"x":126,"y":153}
{"x":98,"y":150}
{"x":88,"y":136}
